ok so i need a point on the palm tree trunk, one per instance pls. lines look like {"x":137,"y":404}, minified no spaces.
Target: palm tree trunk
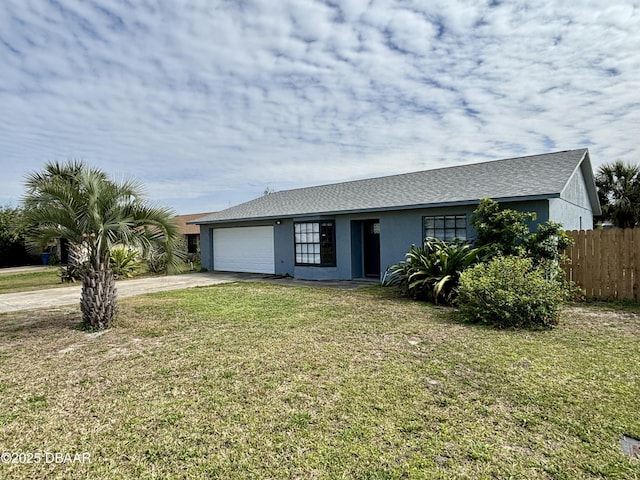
{"x":99,"y":299}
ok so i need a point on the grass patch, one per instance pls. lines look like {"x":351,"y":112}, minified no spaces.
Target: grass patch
{"x":268,"y":381}
{"x":628,"y":306}
{"x":48,"y":277}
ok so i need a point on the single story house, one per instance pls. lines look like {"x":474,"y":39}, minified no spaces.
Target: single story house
{"x":190,"y":231}
{"x":358,"y":229}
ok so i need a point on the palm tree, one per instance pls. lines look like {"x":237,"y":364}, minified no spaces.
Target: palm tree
{"x":95,"y":214}
{"x":619,"y":193}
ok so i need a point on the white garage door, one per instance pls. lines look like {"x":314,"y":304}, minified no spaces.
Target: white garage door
{"x":244,"y":249}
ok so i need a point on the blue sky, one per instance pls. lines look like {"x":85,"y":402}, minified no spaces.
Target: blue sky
{"x":209,"y":102}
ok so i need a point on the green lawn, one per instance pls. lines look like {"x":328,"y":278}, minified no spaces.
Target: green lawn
{"x":267,"y":381}
{"x":48,"y":277}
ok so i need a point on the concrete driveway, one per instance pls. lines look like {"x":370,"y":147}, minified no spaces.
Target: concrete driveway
{"x":56,"y":297}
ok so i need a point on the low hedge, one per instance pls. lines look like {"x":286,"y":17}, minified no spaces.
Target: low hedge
{"x":511,"y":292}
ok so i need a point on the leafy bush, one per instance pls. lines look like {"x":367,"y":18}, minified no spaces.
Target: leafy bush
{"x":503,"y":231}
{"x":512,"y":292}
{"x":506,"y":232}
{"x":431,"y":272}
{"x":124,"y":261}
{"x":548,"y":243}
{"x":157,"y":258}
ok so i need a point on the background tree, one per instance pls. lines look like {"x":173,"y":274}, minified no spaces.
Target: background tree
{"x":95,"y":214}
{"x":13,"y":251}
{"x":619,"y":193}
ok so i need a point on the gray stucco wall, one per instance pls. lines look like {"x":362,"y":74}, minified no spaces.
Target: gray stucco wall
{"x":342,"y":270}
{"x":570,"y":215}
{"x":398,"y":231}
{"x":206,"y":247}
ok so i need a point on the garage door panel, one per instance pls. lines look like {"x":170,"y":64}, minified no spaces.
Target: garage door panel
{"x":244,"y":249}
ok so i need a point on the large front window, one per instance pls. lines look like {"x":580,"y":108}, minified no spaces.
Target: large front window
{"x":446,"y":227}
{"x":315,"y":243}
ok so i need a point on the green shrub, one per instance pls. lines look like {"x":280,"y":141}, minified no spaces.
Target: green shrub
{"x":156,"y":261}
{"x":504,"y":231}
{"x":124,"y":261}
{"x":157,"y":258}
{"x":431,"y":272}
{"x":512,"y":292}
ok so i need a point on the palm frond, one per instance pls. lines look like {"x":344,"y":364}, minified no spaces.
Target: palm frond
{"x":74,"y":201}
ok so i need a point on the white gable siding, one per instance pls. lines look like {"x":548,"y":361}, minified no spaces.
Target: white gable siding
{"x":576,"y":191}
{"x":573,"y":208}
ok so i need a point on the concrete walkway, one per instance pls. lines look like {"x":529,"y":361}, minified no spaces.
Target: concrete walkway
{"x":57,"y":297}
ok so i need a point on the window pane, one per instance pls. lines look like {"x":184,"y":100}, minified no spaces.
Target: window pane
{"x":314,"y":243}
{"x":446,"y":227}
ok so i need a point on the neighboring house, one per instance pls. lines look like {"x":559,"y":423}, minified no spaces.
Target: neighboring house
{"x":190,"y":231}
{"x":358,"y":229}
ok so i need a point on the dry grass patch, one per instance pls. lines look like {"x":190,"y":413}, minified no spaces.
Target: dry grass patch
{"x":265,"y":381}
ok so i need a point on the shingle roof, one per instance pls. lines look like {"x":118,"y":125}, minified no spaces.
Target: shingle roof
{"x":537,"y":176}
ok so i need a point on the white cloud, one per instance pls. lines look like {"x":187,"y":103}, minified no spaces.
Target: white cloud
{"x":209,"y":102}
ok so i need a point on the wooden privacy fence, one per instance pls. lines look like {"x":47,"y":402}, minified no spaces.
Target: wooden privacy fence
{"x":605,"y":262}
